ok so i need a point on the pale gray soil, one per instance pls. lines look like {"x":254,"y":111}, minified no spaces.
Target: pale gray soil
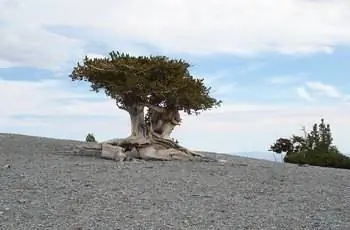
{"x":48,"y":187}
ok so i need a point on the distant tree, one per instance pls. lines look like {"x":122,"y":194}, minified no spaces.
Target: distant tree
{"x":162,"y":85}
{"x":90,"y":138}
{"x":315,"y":148}
{"x":282,"y":145}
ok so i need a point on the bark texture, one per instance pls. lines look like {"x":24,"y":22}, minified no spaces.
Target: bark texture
{"x":138,"y":125}
{"x":149,"y":139}
{"x":163,"y":122}
{"x":154,"y":148}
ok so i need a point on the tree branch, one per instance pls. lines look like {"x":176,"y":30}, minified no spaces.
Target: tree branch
{"x":99,"y":69}
{"x":154,"y":107}
{"x":175,"y":122}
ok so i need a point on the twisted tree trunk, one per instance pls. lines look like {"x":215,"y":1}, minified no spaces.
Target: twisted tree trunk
{"x":163,"y":122}
{"x":138,"y":125}
{"x":149,"y":139}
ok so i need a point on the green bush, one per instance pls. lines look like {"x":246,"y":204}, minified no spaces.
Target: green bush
{"x":319,"y":158}
{"x":90,"y":138}
{"x":315,"y":148}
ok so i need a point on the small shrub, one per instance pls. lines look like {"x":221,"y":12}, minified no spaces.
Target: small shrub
{"x":175,"y":140}
{"x":90,"y":138}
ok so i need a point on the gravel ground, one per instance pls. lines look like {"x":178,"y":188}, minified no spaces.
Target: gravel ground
{"x":48,"y":187}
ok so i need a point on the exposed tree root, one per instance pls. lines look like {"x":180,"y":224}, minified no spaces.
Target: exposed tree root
{"x":154,"y":148}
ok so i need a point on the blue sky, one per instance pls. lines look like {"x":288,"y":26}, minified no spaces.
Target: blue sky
{"x":277,"y":66}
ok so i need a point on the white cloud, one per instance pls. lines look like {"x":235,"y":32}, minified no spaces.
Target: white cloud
{"x":30,"y":45}
{"x":49,"y":98}
{"x":325,"y":89}
{"x":6,"y":64}
{"x":301,"y":91}
{"x":230,"y":128}
{"x":197,"y":27}
{"x":246,"y":128}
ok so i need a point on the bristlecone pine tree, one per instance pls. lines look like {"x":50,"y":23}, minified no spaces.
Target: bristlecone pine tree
{"x":162,"y":86}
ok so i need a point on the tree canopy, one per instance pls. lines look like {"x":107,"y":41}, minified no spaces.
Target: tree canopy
{"x":142,"y":80}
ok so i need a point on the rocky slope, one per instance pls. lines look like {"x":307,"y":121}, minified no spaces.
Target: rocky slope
{"x":45,"y":185}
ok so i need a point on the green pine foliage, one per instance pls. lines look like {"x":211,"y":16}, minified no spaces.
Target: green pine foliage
{"x":315,"y":148}
{"x":90,"y":138}
{"x":156,"y":80}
